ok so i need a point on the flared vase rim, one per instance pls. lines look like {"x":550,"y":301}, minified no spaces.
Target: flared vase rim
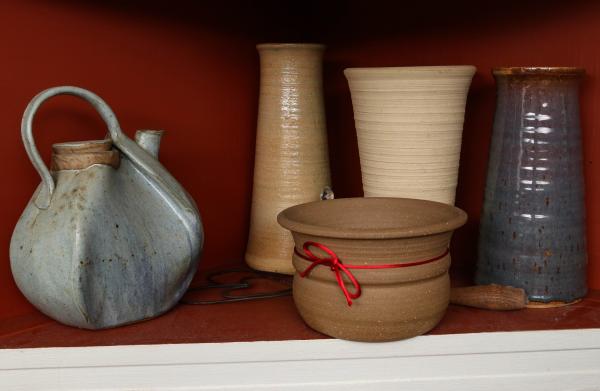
{"x":441,"y":70}
{"x":290,"y":45}
{"x":539,"y":71}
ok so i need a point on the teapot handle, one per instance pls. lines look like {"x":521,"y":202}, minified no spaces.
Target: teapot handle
{"x":42,"y":200}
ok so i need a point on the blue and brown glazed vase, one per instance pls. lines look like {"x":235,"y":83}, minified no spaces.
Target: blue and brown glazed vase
{"x":532,"y":232}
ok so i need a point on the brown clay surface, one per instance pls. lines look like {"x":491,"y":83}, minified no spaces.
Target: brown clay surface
{"x":291,"y":164}
{"x":396,"y":303}
{"x":82,"y":147}
{"x":80,"y":161}
{"x":372,"y":218}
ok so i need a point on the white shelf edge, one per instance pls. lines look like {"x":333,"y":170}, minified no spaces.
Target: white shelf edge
{"x":532,"y":360}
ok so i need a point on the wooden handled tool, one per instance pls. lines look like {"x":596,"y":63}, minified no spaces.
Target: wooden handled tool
{"x":489,"y":297}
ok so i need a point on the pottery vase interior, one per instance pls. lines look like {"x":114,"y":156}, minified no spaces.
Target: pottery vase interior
{"x":409,"y":123}
{"x":291,"y":161}
{"x":532,"y":232}
{"x":395,"y":303}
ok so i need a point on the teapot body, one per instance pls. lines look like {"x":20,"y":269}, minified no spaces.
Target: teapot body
{"x":115,"y":245}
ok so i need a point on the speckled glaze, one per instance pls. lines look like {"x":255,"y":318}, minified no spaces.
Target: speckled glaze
{"x":409,"y":123}
{"x":395,"y":303}
{"x":532,"y":232}
{"x":104,"y":241}
{"x":291,"y":163}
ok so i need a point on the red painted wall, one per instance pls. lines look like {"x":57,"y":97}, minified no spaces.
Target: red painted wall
{"x":192,"y":70}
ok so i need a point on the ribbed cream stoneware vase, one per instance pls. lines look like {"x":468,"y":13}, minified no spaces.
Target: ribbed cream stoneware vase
{"x":291,"y":164}
{"x":409,"y":123}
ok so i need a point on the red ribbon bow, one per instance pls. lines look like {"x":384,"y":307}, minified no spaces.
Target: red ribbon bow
{"x":336,"y":266}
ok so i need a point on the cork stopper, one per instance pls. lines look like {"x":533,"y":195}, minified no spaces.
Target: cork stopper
{"x":79,"y":155}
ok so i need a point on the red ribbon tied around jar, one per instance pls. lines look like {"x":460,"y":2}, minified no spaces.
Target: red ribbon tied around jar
{"x":340,"y":269}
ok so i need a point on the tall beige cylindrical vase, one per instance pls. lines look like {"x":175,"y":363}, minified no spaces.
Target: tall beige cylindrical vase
{"x":292,"y":163}
{"x":409,"y":123}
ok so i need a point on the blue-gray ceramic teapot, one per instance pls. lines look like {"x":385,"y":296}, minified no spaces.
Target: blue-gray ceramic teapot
{"x":109,"y":237}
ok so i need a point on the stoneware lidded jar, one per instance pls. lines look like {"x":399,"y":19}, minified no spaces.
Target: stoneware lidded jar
{"x":532,"y":232}
{"x":409,"y":123}
{"x":292,"y":163}
{"x":372,"y":269}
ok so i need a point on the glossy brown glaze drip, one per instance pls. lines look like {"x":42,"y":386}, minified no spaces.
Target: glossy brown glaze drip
{"x":546,"y":72}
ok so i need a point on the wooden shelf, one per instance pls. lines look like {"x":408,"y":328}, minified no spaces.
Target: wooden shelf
{"x":273,"y":320}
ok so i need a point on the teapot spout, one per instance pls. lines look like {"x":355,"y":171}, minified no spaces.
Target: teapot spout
{"x":149,"y":140}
